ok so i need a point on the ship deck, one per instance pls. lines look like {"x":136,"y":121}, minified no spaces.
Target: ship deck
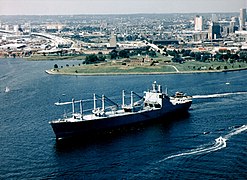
{"x":76,"y":117}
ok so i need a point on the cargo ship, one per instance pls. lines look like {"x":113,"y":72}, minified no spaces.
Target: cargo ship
{"x":154,"y":104}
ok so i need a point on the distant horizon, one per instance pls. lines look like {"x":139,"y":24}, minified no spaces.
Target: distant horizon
{"x":117,"y":14}
{"x":115,"y":7}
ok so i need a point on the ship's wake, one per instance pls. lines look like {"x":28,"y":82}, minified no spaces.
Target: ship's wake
{"x":236,"y":131}
{"x":217,"y":95}
{"x":218,"y":144}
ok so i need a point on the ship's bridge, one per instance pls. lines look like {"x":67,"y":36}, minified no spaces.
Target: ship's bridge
{"x":154,"y":97}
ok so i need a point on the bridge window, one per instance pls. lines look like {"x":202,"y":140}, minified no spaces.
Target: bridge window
{"x":157,"y":106}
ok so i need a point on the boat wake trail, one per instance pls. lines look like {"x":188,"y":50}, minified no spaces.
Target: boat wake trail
{"x":236,"y":131}
{"x":219,"y":143}
{"x":217,"y":95}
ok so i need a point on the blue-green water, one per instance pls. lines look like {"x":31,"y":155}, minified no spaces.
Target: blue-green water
{"x":182,"y":149}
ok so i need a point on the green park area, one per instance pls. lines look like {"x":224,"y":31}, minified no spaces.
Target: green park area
{"x":145,"y":62}
{"x":155,"y":66}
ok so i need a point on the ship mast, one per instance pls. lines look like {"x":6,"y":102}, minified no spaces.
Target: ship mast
{"x":103,"y":103}
{"x":94,"y":101}
{"x":131,"y":99}
{"x":123,"y":97}
{"x":81,"y":108}
{"x":73,"y":105}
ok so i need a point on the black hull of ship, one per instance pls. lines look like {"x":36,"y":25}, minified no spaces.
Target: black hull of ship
{"x":64,"y":130}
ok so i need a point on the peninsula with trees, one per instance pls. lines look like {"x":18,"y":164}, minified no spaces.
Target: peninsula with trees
{"x":149,"y":61}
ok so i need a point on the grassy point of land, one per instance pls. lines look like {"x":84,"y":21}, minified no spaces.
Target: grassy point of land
{"x":137,"y":67}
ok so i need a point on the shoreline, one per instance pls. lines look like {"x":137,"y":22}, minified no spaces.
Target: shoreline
{"x":52,"y":72}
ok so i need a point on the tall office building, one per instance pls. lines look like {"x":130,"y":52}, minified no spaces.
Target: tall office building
{"x":7,"y":27}
{"x":214,"y":31}
{"x":198,"y":23}
{"x":16,"y":28}
{"x":113,"y":40}
{"x":214,"y":18}
{"x":234,"y":23}
{"x":242,"y":18}
{"x":235,"y":20}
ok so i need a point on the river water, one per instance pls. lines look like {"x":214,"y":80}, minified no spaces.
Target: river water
{"x":210,"y":142}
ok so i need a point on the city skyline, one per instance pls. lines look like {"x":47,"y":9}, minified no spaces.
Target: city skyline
{"x":46,"y":7}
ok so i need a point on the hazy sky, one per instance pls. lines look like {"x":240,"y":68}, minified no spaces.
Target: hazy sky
{"x":52,"y":7}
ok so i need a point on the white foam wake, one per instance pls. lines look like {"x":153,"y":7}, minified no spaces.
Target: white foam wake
{"x":236,"y":131}
{"x":217,"y":95}
{"x":218,"y":144}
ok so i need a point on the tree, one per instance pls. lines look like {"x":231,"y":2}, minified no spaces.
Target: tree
{"x":243,"y":56}
{"x":152,"y":54}
{"x":173,"y":53}
{"x":192,"y":54}
{"x":113,"y":54}
{"x":185,"y":52}
{"x":205,"y":57}
{"x":218,"y":57}
{"x":101,"y":58}
{"x":55,"y":66}
{"x":218,"y":68}
{"x":178,"y":59}
{"x":182,"y":51}
{"x":234,"y":57}
{"x":226,"y":57}
{"x":198,"y":56}
{"x":92,"y":58}
{"x":124,"y":54}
